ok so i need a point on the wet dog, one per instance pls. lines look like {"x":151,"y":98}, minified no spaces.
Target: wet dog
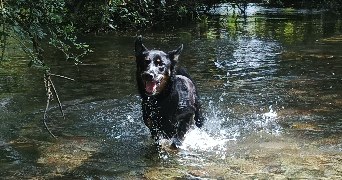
{"x":170,"y":102}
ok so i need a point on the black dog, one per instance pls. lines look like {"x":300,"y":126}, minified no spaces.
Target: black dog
{"x":170,"y":100}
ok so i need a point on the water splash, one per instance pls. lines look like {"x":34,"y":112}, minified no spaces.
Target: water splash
{"x":198,"y":139}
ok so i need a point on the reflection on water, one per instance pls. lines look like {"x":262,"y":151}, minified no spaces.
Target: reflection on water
{"x":270,"y":87}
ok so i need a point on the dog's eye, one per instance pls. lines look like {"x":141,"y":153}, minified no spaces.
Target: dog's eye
{"x":147,"y":60}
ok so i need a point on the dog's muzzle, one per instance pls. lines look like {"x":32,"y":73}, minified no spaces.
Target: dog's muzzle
{"x":151,"y":83}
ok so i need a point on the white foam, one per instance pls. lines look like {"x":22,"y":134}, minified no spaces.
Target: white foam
{"x":198,"y":139}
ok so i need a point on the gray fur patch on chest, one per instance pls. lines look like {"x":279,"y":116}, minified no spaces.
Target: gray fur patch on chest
{"x":187,"y":91}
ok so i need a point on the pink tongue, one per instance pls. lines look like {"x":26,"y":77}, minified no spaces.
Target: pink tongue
{"x":150,"y":86}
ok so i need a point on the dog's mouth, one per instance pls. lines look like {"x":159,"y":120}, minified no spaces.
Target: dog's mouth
{"x":151,"y":87}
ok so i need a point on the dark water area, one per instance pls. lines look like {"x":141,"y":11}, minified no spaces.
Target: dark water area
{"x":270,"y":85}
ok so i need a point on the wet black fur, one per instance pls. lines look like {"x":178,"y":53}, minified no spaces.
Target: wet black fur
{"x":171,"y":111}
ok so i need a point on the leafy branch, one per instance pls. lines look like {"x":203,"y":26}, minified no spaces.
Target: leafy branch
{"x":30,"y":22}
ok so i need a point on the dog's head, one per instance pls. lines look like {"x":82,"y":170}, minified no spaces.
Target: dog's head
{"x":154,"y":67}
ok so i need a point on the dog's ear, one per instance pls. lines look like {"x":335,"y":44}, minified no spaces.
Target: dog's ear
{"x":173,"y":55}
{"x":139,"y":47}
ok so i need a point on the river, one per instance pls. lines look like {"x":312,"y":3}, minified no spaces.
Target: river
{"x":270,"y":85}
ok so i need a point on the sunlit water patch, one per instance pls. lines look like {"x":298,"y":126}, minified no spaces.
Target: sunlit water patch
{"x":227,"y":8}
{"x":253,"y":60}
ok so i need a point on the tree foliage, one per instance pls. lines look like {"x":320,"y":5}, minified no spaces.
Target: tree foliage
{"x":92,"y":16}
{"x":31,"y":21}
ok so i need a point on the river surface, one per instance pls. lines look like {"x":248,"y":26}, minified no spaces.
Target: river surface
{"x":270,"y":85}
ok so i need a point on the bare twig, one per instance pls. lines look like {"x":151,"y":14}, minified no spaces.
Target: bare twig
{"x":49,"y":97}
{"x":59,"y":102}
{"x":50,"y":89}
{"x":62,"y":77}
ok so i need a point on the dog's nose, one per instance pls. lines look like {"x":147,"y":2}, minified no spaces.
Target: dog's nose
{"x":147,"y":76}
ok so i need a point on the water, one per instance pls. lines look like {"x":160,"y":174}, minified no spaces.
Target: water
{"x":270,"y":86}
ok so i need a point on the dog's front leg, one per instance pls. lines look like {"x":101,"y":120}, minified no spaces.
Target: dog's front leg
{"x":153,"y":130}
{"x":183,"y":125}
